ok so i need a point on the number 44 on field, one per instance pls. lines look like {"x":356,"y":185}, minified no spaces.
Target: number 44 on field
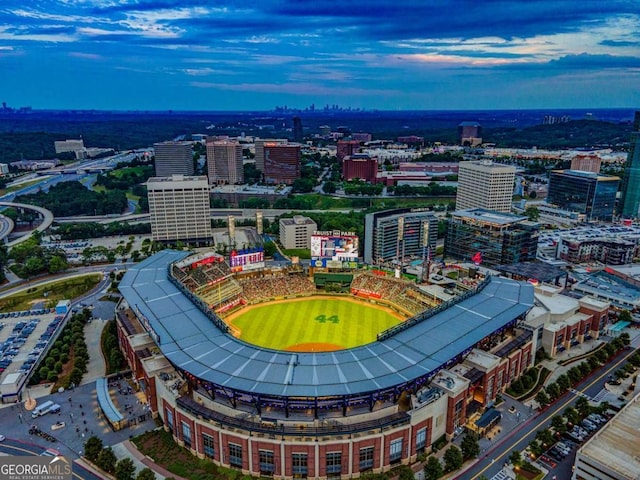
{"x":324,"y":318}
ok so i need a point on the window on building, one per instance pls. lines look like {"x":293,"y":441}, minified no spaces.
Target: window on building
{"x":421,"y":440}
{"x":299,"y":465}
{"x":366,"y":458}
{"x":395,"y":450}
{"x":235,"y":455}
{"x":169,"y":418}
{"x":334,"y":464}
{"x":267,"y":466}
{"x":186,"y":434}
{"x":207,"y":445}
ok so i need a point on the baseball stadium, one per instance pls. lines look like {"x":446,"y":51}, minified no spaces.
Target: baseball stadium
{"x":316,"y":373}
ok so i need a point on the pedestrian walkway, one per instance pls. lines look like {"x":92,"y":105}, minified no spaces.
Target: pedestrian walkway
{"x":127,"y":449}
{"x":96,"y":366}
{"x":501,"y":475}
{"x":580,"y":394}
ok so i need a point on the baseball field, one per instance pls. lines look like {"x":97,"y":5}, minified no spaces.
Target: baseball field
{"x":312,"y":324}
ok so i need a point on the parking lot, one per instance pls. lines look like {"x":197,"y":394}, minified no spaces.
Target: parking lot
{"x":24,"y":337}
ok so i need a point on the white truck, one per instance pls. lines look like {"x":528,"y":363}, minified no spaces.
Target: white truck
{"x":46,"y":407}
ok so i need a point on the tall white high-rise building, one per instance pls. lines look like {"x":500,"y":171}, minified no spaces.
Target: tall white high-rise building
{"x":224,"y":162}
{"x":173,"y":158}
{"x":484,"y":184}
{"x":180,"y":209}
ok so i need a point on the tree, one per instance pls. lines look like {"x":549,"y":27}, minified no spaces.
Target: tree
{"x":626,"y":340}
{"x":545,"y":437}
{"x":542,"y":398}
{"x":582,"y":405}
{"x":433,"y":469}
{"x":405,"y":473}
{"x":92,"y":448}
{"x":329,"y":187}
{"x":146,"y":474}
{"x":572,"y":415}
{"x":452,"y":459}
{"x":533,"y":194}
{"x":574,"y":374}
{"x":57,"y":264}
{"x":125,"y":469}
{"x":515,"y":458}
{"x":532,"y":213}
{"x":625,"y":316}
{"x":553,"y":390}
{"x":106,"y":460}
{"x":470,"y":447}
{"x":563,"y":382}
{"x":557,"y":422}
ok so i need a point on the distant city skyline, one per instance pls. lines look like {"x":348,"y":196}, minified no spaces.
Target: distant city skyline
{"x":192,"y":55}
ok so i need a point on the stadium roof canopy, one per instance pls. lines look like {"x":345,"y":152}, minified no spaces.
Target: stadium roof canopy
{"x":194,"y":344}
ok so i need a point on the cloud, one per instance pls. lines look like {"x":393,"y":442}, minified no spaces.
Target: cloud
{"x":88,"y":56}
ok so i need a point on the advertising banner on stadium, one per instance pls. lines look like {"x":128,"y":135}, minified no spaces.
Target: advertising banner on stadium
{"x":207,"y":261}
{"x":249,"y":259}
{"x":334,"y":245}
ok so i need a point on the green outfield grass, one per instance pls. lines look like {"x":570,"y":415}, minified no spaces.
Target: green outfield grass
{"x":313,"y":324}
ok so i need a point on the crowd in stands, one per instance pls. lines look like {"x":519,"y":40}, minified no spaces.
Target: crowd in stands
{"x":260,"y":289}
{"x":201,"y":278}
{"x":223,"y":291}
{"x":395,"y":290}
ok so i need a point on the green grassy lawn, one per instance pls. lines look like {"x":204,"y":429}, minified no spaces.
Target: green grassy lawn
{"x":342,"y":323}
{"x":67,"y":289}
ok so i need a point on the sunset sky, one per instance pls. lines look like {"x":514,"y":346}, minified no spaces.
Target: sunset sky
{"x":254,"y":55}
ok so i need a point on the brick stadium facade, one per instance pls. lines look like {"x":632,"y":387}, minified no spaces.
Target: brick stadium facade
{"x":260,"y":423}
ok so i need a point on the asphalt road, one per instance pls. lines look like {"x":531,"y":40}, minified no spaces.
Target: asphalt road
{"x":493,"y":460}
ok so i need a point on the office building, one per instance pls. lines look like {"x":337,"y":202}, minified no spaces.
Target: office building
{"x":470,"y":133}
{"x":180,"y":210}
{"x":346,"y":148}
{"x":259,"y":149}
{"x":411,"y":140}
{"x":75,"y":146}
{"x":393,"y":235}
{"x":484,"y":184}
{"x":224,"y":162}
{"x":630,"y":200}
{"x":360,"y":165}
{"x":560,"y":322}
{"x":324,"y":130}
{"x":298,"y":131}
{"x":490,"y":238}
{"x":613,"y":452}
{"x":281,"y":163}
{"x":361,"y":136}
{"x":586,"y":163}
{"x":296,"y":232}
{"x":584,"y":192}
{"x":173,"y":158}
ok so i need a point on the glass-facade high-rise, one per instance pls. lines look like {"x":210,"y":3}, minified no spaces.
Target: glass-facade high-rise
{"x":394,"y":235}
{"x":630,"y":200}
{"x":584,"y":192}
{"x":490,"y":238}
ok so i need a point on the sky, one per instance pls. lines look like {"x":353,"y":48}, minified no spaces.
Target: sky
{"x":369,"y":54}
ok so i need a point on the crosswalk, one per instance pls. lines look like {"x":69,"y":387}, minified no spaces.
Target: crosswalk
{"x":600,"y":395}
{"x":501,"y":475}
{"x":580,"y":394}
